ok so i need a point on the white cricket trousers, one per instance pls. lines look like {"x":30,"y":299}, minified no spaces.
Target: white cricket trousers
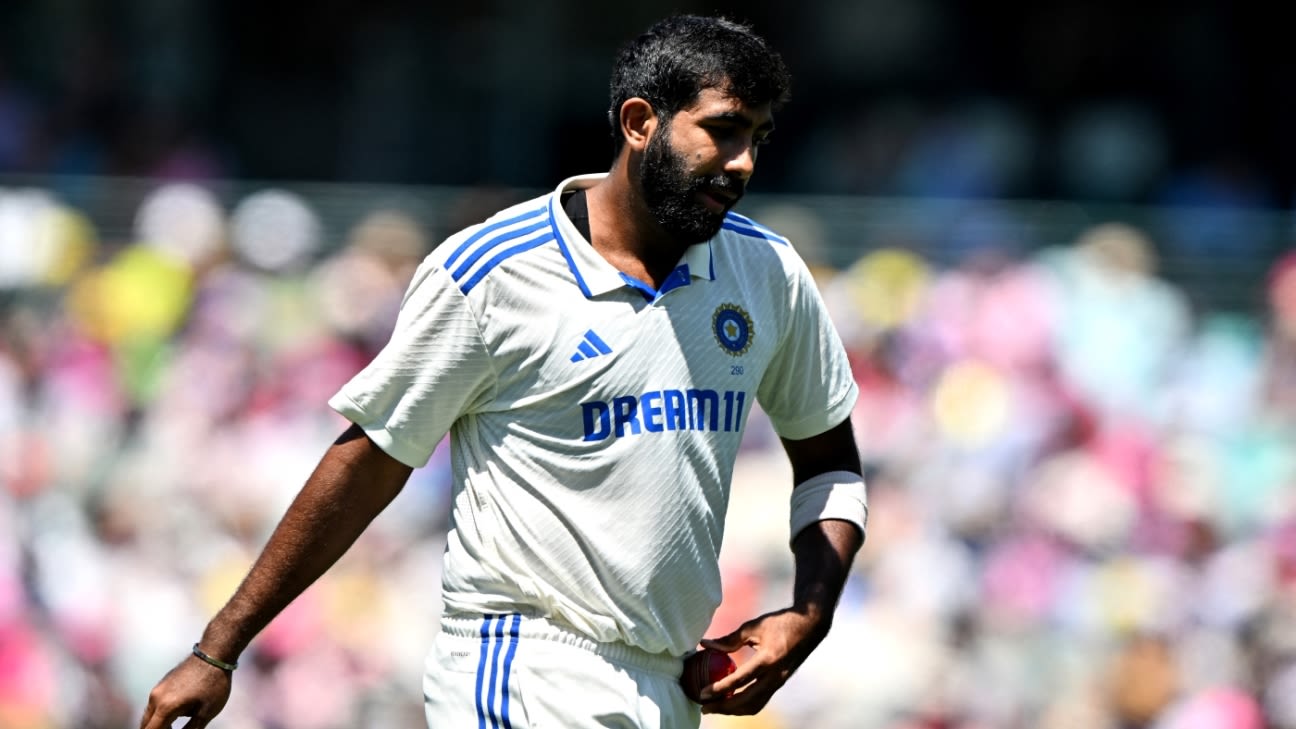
{"x":515,"y":672}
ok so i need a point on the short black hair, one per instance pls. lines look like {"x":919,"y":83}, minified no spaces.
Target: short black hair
{"x":672,"y":62}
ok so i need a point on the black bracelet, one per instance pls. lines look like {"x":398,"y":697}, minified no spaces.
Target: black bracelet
{"x":222,"y":665}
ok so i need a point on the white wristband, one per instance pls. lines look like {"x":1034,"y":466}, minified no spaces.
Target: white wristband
{"x":832,"y":495}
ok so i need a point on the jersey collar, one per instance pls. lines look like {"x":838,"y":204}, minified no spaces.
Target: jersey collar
{"x":593,"y":274}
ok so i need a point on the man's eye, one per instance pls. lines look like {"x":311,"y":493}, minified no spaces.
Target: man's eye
{"x":761,"y":141}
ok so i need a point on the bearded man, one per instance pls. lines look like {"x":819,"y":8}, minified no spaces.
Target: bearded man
{"x":594,"y":354}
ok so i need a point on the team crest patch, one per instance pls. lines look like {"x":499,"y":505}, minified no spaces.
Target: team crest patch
{"x":733,"y":329}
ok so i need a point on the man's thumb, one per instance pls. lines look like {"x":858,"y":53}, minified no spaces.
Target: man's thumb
{"x":725,"y":643}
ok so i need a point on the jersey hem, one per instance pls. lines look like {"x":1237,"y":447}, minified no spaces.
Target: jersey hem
{"x":471,"y":626}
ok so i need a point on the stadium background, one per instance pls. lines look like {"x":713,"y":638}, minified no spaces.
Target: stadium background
{"x":1056,"y":237}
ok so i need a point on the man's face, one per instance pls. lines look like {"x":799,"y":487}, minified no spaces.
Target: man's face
{"x":696,"y":164}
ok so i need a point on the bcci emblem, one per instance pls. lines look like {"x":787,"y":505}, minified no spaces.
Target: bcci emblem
{"x":733,"y":329}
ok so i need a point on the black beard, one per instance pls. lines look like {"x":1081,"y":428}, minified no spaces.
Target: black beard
{"x":671,"y":193}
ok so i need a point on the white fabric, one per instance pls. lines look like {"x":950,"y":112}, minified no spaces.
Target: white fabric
{"x":505,"y":671}
{"x":594,"y":431}
{"x":833,"y":495}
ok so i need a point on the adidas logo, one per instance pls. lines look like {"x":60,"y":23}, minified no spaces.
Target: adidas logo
{"x":590,"y":347}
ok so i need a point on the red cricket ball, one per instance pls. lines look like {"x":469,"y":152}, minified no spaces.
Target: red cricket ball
{"x":703,"y":669}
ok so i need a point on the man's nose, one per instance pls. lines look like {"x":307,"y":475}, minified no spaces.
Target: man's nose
{"x":742,"y":164}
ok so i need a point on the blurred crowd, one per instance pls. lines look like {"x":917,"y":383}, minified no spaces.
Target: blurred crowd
{"x":1083,"y":489}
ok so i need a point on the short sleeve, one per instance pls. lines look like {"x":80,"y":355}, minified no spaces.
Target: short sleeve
{"x":808,"y":387}
{"x":435,"y":369}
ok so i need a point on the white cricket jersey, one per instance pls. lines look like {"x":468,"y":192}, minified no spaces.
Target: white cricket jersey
{"x":594,"y":426}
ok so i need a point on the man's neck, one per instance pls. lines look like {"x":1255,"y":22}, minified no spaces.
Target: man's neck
{"x":625,"y":234}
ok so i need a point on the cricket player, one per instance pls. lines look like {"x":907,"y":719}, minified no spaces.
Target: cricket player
{"x":594,"y":354}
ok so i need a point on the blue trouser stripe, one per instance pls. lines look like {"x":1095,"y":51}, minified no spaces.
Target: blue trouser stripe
{"x":508,"y":668}
{"x":481,"y":671}
{"x":492,"y":644}
{"x":494,"y":675}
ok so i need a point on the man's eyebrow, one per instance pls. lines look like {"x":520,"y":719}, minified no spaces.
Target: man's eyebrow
{"x":742,"y":119}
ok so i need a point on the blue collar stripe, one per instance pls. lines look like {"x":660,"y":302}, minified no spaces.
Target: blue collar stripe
{"x":649,"y":292}
{"x":677,"y":278}
{"x":562,"y":246}
{"x":487,"y":231}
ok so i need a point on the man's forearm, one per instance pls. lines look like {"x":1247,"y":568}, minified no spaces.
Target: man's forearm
{"x":823,"y":553}
{"x":352,"y":484}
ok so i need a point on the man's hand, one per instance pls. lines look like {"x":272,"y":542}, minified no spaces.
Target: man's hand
{"x":193,"y":689}
{"x":781,"y":641}
{"x":354,"y":481}
{"x":823,"y":552}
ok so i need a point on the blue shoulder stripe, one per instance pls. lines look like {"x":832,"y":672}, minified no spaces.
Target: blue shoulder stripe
{"x":500,"y":257}
{"x":496,"y":242}
{"x":487,"y":230}
{"x":744,"y":220}
{"x":745,"y":225}
{"x":755,"y":232}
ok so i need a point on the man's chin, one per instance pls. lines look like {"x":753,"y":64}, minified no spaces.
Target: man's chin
{"x":700,"y":232}
{"x":696,"y":224}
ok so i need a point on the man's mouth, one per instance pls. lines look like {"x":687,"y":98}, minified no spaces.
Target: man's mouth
{"x":716,"y":200}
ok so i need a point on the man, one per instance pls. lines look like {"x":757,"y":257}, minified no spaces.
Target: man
{"x":594,"y":355}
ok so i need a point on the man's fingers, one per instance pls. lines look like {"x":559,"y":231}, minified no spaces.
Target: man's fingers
{"x":750,"y":700}
{"x":726,"y":643}
{"x":159,"y":714}
{"x":743,"y":675}
{"x":163,"y":719}
{"x":734,"y":640}
{"x":752,"y":686}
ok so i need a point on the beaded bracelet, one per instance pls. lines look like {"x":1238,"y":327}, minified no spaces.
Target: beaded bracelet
{"x":222,"y":665}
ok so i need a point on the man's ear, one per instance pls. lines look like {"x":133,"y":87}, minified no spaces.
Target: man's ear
{"x":638,"y":122}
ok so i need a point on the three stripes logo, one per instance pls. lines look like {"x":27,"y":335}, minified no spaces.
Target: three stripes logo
{"x":590,"y":347}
